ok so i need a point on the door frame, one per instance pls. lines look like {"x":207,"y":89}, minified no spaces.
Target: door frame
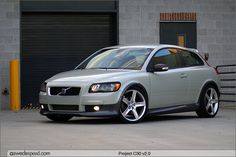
{"x":195,"y":22}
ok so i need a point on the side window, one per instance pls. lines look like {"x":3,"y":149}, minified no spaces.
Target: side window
{"x":170,"y":57}
{"x":190,"y":59}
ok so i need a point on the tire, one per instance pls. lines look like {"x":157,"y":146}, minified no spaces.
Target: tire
{"x":208,"y":102}
{"x":59,"y":118}
{"x":133,"y":105}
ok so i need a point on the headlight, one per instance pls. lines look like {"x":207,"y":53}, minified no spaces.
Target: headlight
{"x":43,"y":87}
{"x":104,"y":87}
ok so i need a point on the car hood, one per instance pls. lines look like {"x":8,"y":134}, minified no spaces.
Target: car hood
{"x":90,"y":75}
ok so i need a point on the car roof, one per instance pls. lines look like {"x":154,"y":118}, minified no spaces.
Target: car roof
{"x":159,"y":46}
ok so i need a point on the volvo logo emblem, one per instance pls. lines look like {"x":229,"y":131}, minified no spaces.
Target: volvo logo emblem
{"x":63,"y":91}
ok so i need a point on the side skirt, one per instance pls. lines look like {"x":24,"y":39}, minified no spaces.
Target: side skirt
{"x":174,"y":109}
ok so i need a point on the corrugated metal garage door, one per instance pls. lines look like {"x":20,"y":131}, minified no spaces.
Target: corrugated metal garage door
{"x":57,"y":42}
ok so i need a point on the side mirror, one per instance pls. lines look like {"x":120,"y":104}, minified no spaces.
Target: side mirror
{"x":160,"y":67}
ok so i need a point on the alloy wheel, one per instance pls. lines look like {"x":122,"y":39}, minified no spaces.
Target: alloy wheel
{"x":211,"y":101}
{"x":133,"y":105}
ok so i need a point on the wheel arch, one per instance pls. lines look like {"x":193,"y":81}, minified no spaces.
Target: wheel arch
{"x":138,"y":85}
{"x":207,"y":83}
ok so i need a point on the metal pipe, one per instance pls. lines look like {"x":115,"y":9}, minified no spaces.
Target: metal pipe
{"x":14,"y":85}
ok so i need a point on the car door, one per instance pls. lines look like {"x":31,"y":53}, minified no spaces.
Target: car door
{"x":168,"y":88}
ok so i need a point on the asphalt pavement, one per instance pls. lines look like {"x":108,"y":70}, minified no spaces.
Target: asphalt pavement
{"x":27,"y":129}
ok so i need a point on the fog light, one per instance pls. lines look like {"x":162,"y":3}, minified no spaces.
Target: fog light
{"x":42,"y":106}
{"x":96,"y":108}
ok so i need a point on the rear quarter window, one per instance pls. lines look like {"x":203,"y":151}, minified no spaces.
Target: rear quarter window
{"x":190,"y":59}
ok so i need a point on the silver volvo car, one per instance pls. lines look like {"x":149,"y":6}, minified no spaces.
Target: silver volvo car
{"x":131,"y":82}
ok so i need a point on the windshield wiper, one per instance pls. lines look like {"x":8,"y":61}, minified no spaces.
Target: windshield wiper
{"x":105,"y":68}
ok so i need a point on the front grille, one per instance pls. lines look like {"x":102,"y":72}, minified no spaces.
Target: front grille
{"x":65,"y":107}
{"x":64,"y":91}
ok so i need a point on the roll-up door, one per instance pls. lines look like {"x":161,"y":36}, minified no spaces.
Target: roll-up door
{"x":57,"y":42}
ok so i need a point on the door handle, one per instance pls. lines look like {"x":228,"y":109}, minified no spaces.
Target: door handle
{"x":183,"y":75}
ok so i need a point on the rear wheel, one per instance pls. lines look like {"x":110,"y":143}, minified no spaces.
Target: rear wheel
{"x":59,"y":118}
{"x":133,"y":106}
{"x":209,"y":102}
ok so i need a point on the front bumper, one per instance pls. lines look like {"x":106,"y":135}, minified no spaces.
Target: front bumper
{"x":85,"y":114}
{"x":109,"y":103}
{"x":105,"y":111}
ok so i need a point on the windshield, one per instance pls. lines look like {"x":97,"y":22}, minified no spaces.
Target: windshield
{"x":125,"y":58}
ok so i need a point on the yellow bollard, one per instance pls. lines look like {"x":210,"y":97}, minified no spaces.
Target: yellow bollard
{"x":14,"y":85}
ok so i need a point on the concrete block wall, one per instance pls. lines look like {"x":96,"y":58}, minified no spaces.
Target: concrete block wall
{"x":9,"y":43}
{"x":216,"y":24}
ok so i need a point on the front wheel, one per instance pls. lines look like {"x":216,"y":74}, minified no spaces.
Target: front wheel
{"x":59,"y":118}
{"x":133,"y":106}
{"x":209,"y":102}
